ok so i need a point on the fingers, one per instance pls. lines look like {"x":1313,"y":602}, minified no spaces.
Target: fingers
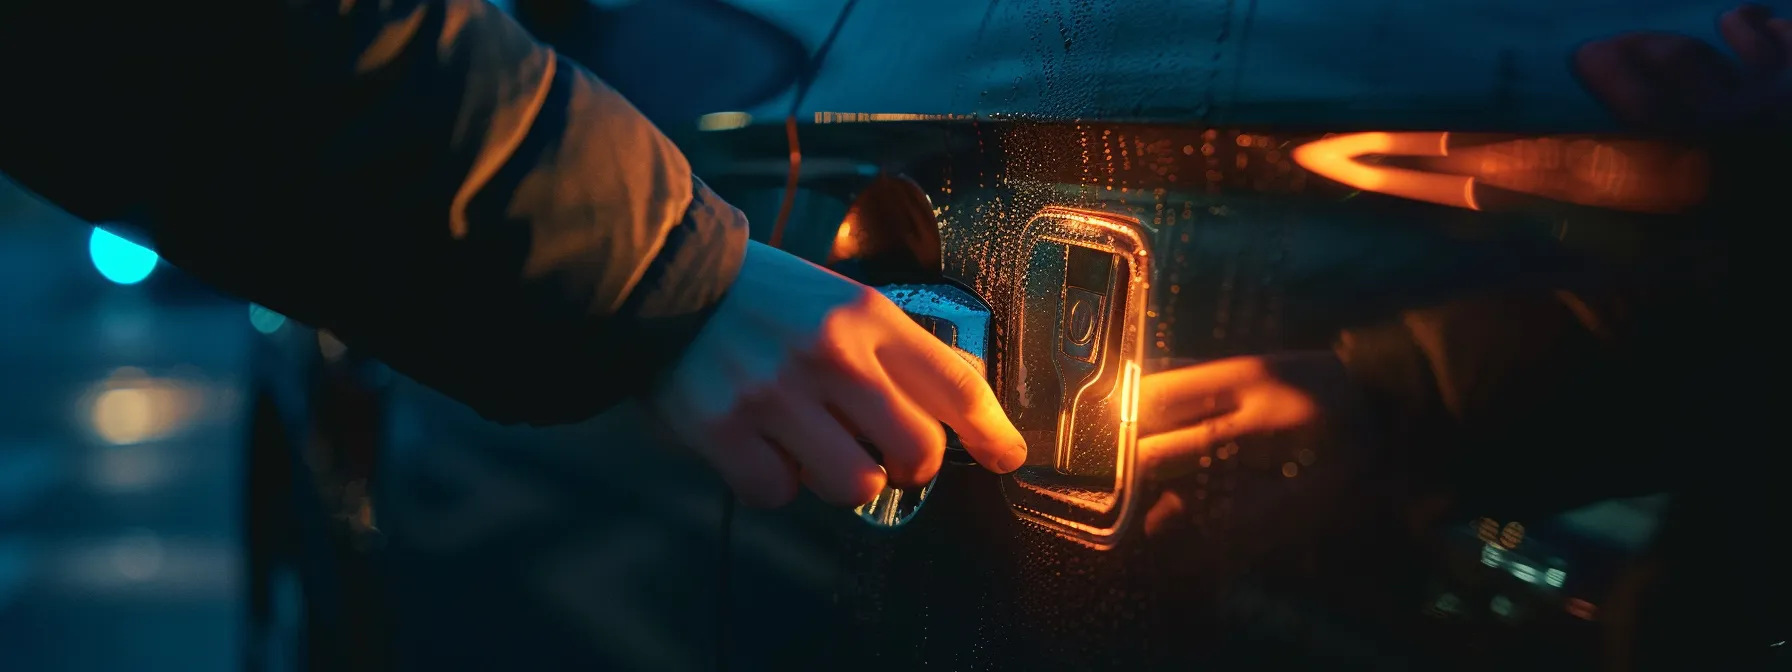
{"x":1174,"y":399}
{"x":1696,"y":75}
{"x":833,"y":464}
{"x":1657,"y":80}
{"x":1748,"y":31}
{"x":911,"y":441}
{"x":1156,"y":364}
{"x":1176,"y":446}
{"x":1180,"y":397}
{"x":1662,"y":81}
{"x":1606,"y":70}
{"x":1781,"y":30}
{"x":757,"y":472}
{"x":1763,"y":42}
{"x":948,"y":388}
{"x":1165,"y":514}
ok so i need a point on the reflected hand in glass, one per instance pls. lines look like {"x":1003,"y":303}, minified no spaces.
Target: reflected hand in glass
{"x":1186,"y":412}
{"x":797,"y":361}
{"x":1664,"y":81}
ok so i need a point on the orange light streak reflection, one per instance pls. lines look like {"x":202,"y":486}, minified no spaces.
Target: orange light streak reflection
{"x":1337,"y":158}
{"x":1615,"y":173}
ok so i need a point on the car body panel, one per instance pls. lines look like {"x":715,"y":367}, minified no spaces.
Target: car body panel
{"x":1395,"y":64}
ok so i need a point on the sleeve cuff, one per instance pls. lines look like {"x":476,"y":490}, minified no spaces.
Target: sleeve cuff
{"x":697,"y":263}
{"x":684,"y":283}
{"x":559,"y":373}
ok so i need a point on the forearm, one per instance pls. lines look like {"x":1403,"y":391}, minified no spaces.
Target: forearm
{"x":420,"y":177}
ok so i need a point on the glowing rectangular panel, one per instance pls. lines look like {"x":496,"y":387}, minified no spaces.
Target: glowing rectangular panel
{"x":1073,"y":352}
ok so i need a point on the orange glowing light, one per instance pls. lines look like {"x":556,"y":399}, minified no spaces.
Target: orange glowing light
{"x":846,"y":240}
{"x":1129,"y":393}
{"x":1337,"y":158}
{"x":1090,"y":512}
{"x":1582,"y":609}
{"x":131,"y":408}
{"x":1616,"y":173}
{"x":1512,"y":535}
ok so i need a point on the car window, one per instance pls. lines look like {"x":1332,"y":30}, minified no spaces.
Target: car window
{"x":1398,"y":65}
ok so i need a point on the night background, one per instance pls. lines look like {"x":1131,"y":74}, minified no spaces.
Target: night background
{"x":128,"y":391}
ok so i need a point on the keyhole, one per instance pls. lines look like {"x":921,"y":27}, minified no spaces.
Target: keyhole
{"x":1082,"y":321}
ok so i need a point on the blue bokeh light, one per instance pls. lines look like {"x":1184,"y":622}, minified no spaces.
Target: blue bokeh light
{"x":120,"y":260}
{"x":264,"y":320}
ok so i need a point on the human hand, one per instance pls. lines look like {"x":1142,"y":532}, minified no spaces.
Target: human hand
{"x":796,"y":362}
{"x":1668,"y":82}
{"x":1186,"y":412}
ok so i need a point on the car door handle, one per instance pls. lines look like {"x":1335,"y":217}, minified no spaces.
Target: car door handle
{"x":956,"y":316}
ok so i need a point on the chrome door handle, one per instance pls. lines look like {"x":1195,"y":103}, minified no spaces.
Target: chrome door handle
{"x":958,"y":318}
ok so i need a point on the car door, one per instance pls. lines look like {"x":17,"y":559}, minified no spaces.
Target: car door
{"x":1076,"y":257}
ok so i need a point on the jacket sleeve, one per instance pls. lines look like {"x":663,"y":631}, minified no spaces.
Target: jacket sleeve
{"x":421,"y":177}
{"x":1533,"y":400}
